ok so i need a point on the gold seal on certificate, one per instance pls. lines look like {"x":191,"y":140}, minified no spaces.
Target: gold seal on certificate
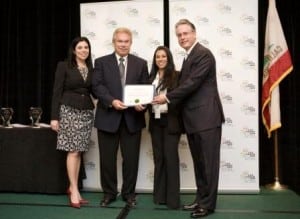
{"x":135,"y":94}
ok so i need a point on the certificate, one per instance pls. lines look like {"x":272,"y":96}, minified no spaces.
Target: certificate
{"x":136,"y":94}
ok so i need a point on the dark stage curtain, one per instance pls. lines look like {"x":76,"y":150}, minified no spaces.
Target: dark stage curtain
{"x":35,"y":35}
{"x":288,"y":143}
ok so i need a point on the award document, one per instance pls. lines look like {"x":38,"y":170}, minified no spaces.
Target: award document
{"x":135,"y":94}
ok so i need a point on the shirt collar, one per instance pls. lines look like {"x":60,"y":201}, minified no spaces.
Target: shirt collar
{"x":190,"y":49}
{"x":118,"y":57}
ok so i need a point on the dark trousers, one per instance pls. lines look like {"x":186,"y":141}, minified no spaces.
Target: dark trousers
{"x":205,"y":151}
{"x":130,"y":149}
{"x":166,"y":167}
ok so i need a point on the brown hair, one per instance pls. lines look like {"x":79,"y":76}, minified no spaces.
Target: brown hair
{"x":170,"y":77}
{"x":185,"y":21}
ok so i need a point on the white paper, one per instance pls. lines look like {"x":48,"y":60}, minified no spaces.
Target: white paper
{"x":138,"y":94}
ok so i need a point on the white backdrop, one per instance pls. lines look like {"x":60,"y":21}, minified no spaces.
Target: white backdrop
{"x":229,"y":29}
{"x":98,"y":21}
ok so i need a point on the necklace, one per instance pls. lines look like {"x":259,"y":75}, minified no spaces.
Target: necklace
{"x":83,"y":71}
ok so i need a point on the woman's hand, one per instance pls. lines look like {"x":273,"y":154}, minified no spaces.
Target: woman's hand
{"x":54,"y":125}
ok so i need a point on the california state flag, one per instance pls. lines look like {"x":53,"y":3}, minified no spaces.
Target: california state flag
{"x":277,"y":65}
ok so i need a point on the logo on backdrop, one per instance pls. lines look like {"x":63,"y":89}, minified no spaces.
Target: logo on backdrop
{"x":247,"y":19}
{"x":135,"y":34}
{"x":132,"y":12}
{"x":225,"y":53}
{"x":183,"y":144}
{"x":149,"y":153}
{"x":111,"y":24}
{"x":225,"y":31}
{"x":89,"y":34}
{"x":92,"y":144}
{"x":90,"y":165}
{"x":179,"y":54}
{"x":201,"y":21}
{"x":134,"y":53}
{"x":248,"y":41}
{"x":226,"y":98}
{"x":153,"y":43}
{"x":178,"y":10}
{"x":248,"y":109}
{"x":108,"y":44}
{"x":225,"y":75}
{"x":226,"y":143}
{"x":150,"y":176}
{"x":248,"y":155}
{"x":226,"y":166}
{"x":183,"y":166}
{"x":228,"y":121}
{"x":224,"y":9}
{"x":204,"y":42}
{"x":248,"y":132}
{"x":248,"y":177}
{"x":248,"y":87}
{"x":89,"y":13}
{"x":154,"y":21}
{"x":248,"y":64}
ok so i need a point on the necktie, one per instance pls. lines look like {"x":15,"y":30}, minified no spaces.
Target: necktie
{"x":184,"y":59}
{"x":122,"y":70}
{"x":185,"y":56}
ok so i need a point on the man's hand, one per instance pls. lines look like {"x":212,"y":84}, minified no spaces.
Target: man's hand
{"x":139,"y":107}
{"x":118,"y":105}
{"x":159,"y":99}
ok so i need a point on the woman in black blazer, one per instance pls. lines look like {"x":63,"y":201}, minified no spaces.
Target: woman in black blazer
{"x":72,"y":111}
{"x":165,"y":130}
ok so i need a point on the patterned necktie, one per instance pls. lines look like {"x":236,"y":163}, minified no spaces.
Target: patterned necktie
{"x":122,"y":70}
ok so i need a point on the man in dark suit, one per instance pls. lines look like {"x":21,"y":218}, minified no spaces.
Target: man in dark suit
{"x":202,"y":115}
{"x":118,"y":124}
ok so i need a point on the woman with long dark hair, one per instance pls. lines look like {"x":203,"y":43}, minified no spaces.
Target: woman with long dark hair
{"x":72,"y":111}
{"x":165,"y":130}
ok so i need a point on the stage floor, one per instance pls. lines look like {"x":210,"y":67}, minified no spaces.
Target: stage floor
{"x":265,"y":205}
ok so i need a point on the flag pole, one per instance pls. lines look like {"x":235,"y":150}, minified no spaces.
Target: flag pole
{"x":276,"y":184}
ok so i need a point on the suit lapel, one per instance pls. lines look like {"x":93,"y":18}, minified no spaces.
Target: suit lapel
{"x":185,"y":71}
{"x":190,"y":56}
{"x":113,"y":65}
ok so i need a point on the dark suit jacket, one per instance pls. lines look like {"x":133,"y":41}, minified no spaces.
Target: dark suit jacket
{"x":70,"y":89}
{"x":107,"y":87}
{"x":171,"y":120}
{"x":198,"y":92}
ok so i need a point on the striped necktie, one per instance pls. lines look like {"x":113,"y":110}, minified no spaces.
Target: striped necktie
{"x":122,"y":70}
